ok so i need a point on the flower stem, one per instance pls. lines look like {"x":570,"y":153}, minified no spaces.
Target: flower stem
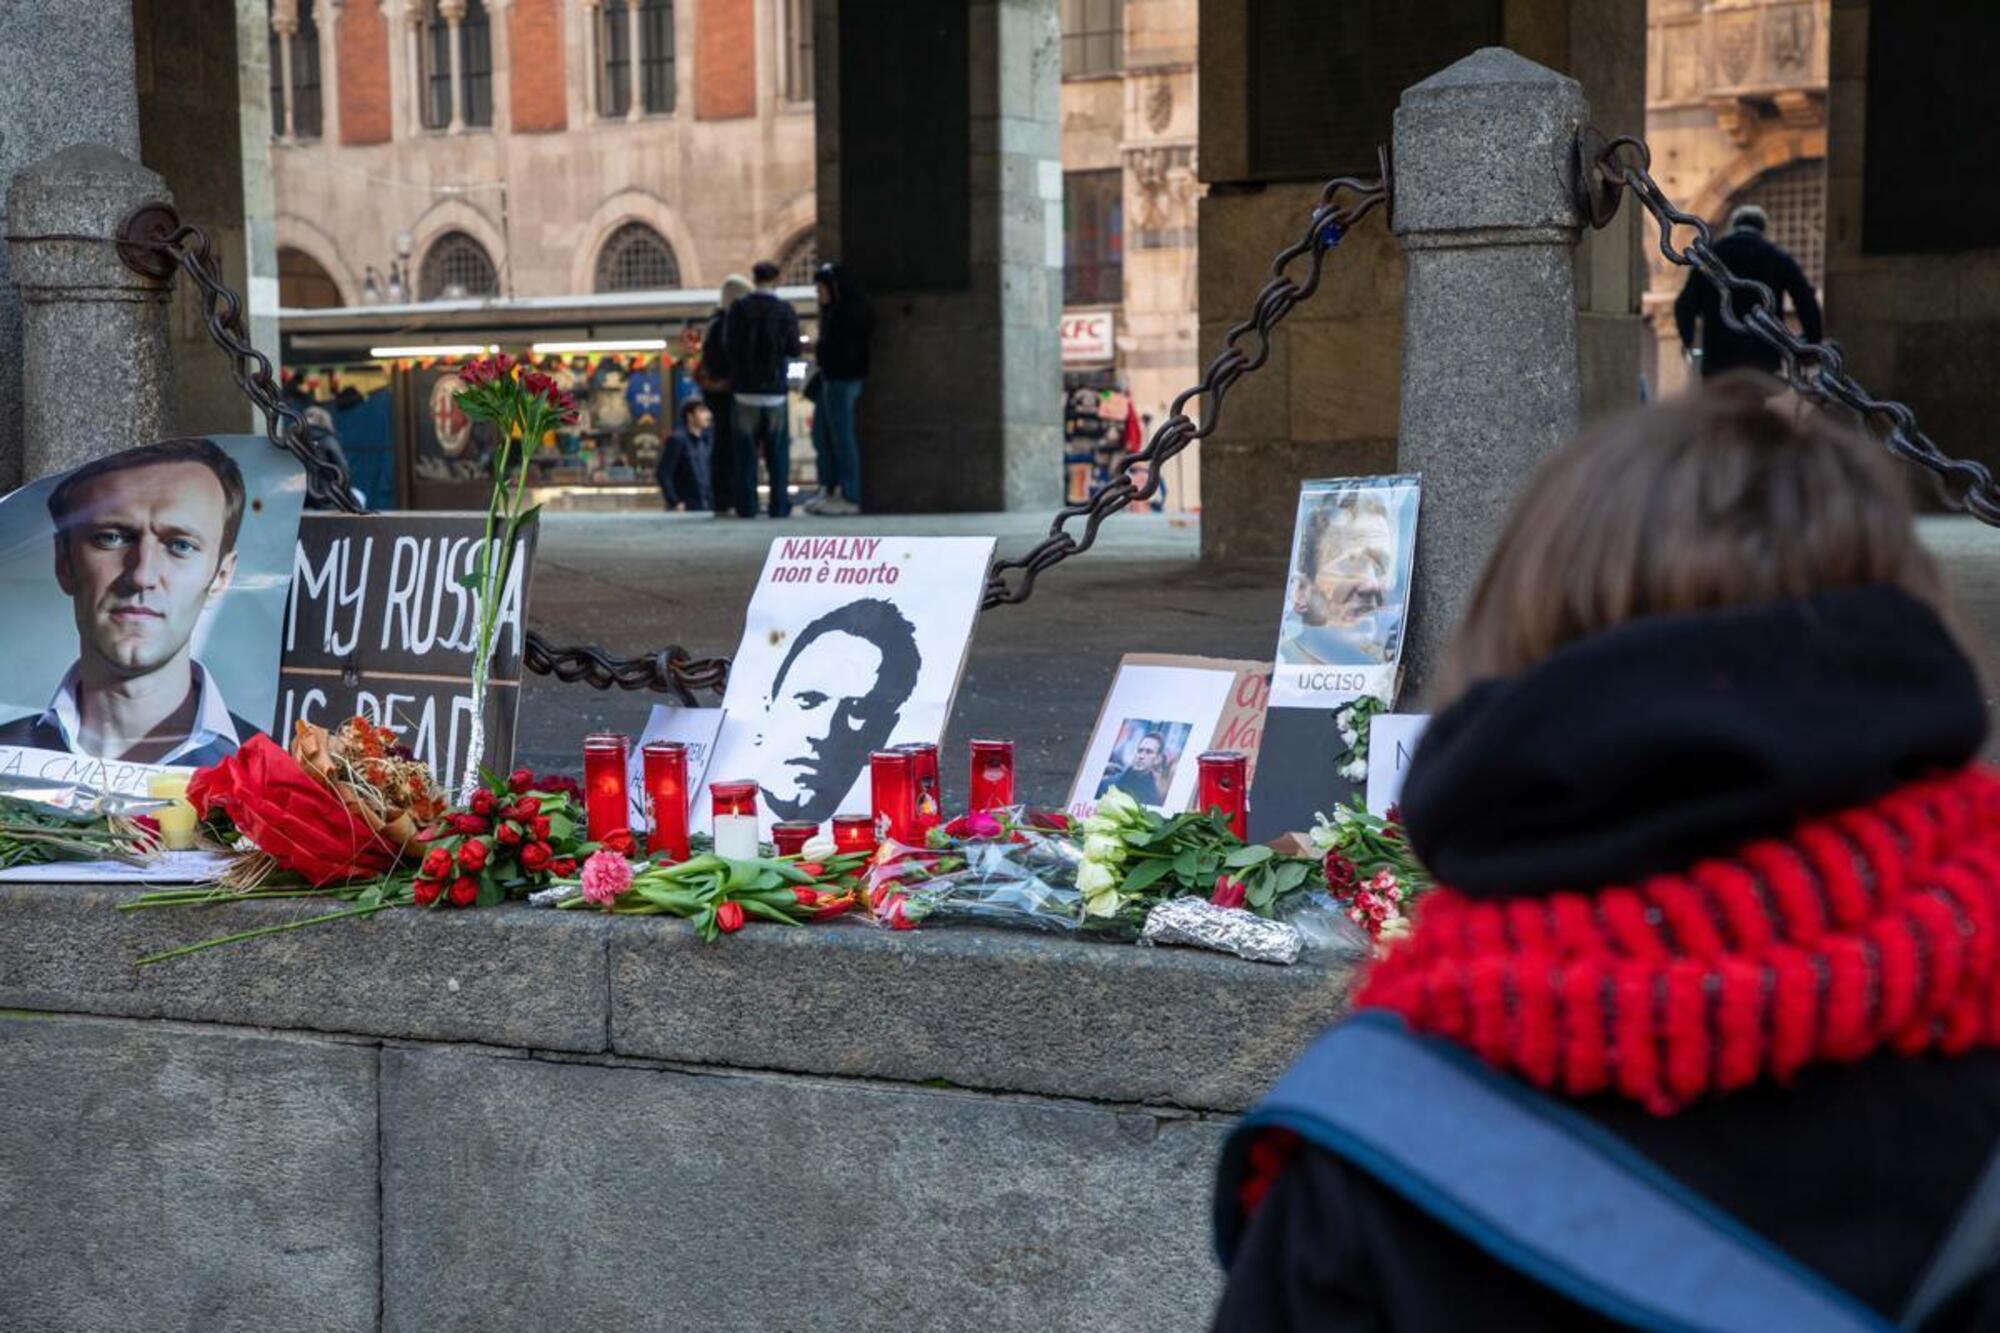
{"x":261,"y":930}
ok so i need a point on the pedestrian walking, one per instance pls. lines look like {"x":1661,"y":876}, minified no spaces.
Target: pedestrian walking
{"x":760,"y":336}
{"x":1749,"y":253}
{"x":845,"y":326}
{"x":686,"y":457}
{"x":1702,"y":1034}
{"x":714,"y":386}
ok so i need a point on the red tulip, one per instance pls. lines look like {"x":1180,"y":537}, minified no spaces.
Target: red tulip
{"x":1228,"y":892}
{"x":470,"y":825}
{"x":437,"y":863}
{"x":729,"y":917}
{"x":464,"y":891}
{"x":520,"y":780}
{"x":527,"y":807}
{"x":535,"y":857}
{"x":813,"y":868}
{"x":482,"y":802}
{"x":806,"y":897}
{"x":508,"y":835}
{"x":539,"y":826}
{"x":426,"y":891}
{"x":472,"y":856}
{"x":563,"y":867}
{"x":620,"y":841}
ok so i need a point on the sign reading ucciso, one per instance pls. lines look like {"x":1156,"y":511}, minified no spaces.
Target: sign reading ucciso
{"x":381,"y":623}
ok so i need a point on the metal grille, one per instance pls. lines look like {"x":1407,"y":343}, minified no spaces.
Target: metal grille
{"x":635,"y":258}
{"x":801,"y":260}
{"x":455,"y":267}
{"x":1794,"y":198}
{"x":1093,"y":37}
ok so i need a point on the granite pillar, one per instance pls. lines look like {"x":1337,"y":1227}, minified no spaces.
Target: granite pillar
{"x":96,"y":370}
{"x":65,"y":78}
{"x":1490,"y":375}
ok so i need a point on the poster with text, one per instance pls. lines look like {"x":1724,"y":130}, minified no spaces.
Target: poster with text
{"x":145,"y":598}
{"x":382,"y":623}
{"x":1161,"y":713}
{"x":851,"y":644}
{"x":1347,"y":591}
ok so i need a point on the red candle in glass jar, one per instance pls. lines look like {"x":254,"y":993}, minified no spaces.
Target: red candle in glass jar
{"x":992,"y":786}
{"x":930,"y":792}
{"x":735,"y":809}
{"x":1222,"y":777}
{"x":790,"y":836}
{"x":854,"y":833}
{"x":606,"y":756}
{"x":892,"y":776}
{"x":666,"y":780}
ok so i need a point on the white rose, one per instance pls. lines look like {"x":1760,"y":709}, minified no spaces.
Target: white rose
{"x":1120,"y":809}
{"x":1106,"y":847}
{"x":1094,"y":877}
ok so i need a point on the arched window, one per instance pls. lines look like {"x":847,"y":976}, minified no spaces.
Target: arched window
{"x":456,"y":267}
{"x":1793,"y":196}
{"x":303,"y":283}
{"x":295,"y":87}
{"x":635,"y":258}
{"x":647,"y":28}
{"x":801,"y":260}
{"x":469,"y":88}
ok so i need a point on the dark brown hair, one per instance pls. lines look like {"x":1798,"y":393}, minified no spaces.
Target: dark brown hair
{"x":1707,"y":502}
{"x":191,"y":449}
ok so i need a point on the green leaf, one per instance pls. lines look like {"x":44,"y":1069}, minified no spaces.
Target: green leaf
{"x":1245,"y":857}
{"x":1145,"y":875}
{"x":1260,"y":892}
{"x":561,"y":828}
{"x":1290,"y":875}
{"x":1184,"y":865}
{"x":766,"y":911}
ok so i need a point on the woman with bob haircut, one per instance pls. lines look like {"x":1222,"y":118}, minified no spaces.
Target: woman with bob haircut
{"x":1701,"y":1028}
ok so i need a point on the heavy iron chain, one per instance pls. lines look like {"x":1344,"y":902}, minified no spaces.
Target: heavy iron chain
{"x":1330,"y":221}
{"x":154,"y":242}
{"x":1817,"y":370}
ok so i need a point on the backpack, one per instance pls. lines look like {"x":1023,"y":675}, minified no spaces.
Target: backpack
{"x":1555,"y":1196}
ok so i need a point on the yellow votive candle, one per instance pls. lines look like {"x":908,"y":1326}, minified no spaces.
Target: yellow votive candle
{"x":176,"y":821}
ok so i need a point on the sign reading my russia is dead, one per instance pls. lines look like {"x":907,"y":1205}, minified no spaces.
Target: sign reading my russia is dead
{"x":381,"y":623}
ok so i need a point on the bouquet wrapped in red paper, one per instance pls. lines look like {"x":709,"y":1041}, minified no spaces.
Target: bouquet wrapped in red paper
{"x":338,"y":806}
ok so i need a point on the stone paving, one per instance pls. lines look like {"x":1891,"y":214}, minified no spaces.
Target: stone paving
{"x":1036,"y":672}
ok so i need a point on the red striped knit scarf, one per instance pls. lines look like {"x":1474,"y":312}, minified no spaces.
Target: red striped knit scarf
{"x":1870,"y":929}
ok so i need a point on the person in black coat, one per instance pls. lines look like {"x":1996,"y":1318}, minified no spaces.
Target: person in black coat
{"x":760,"y":336}
{"x":845,"y":326}
{"x":683,"y":468}
{"x":1749,"y":254}
{"x":1719,"y":874}
{"x":713,"y":381}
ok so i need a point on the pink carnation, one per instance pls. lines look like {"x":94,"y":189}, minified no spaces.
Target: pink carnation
{"x":605,"y":876}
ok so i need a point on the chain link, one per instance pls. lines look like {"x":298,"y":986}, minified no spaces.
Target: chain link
{"x":154,"y":242}
{"x":1330,"y":221}
{"x":1816,"y":370}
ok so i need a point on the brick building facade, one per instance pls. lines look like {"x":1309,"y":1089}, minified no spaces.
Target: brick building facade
{"x":431,"y":148}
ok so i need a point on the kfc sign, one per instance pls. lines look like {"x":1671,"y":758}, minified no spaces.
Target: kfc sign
{"x":1088,"y":337}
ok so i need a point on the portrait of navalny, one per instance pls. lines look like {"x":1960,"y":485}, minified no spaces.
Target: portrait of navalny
{"x":144,"y":593}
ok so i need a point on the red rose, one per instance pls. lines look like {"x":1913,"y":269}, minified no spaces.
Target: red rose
{"x":1339,"y":872}
{"x":535,"y":857}
{"x":527,"y":807}
{"x":472,"y":856}
{"x":539,"y":826}
{"x":291,"y":815}
{"x":1228,"y":892}
{"x":619,"y":840}
{"x":563,"y":867}
{"x":508,"y":835}
{"x":520,"y":780}
{"x":426,"y":891}
{"x":729,"y":917}
{"x":470,"y":825}
{"x":464,"y":891}
{"x":437,"y":864}
{"x":482,"y":802}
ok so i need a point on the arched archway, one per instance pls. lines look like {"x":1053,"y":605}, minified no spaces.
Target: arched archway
{"x":456,"y":267}
{"x":304,"y":283}
{"x":636,"y":258}
{"x":1793,"y":196}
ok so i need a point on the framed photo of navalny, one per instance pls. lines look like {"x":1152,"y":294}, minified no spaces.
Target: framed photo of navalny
{"x":850,"y":645}
{"x":1347,"y":591}
{"x":145,"y":595}
{"x":1161,"y":712}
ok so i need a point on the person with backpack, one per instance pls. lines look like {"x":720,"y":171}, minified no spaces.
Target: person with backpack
{"x":760,"y":336}
{"x":1701,"y":1028}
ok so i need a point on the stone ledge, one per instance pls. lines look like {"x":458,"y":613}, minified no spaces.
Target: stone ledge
{"x":996,"y":1010}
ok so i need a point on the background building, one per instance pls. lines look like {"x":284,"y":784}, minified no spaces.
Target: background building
{"x":1735,"y":114}
{"x":1129,"y":202}
{"x":468,"y":148}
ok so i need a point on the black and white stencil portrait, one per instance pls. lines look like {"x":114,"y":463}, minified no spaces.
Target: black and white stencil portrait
{"x":851,"y":645}
{"x":144,"y":595}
